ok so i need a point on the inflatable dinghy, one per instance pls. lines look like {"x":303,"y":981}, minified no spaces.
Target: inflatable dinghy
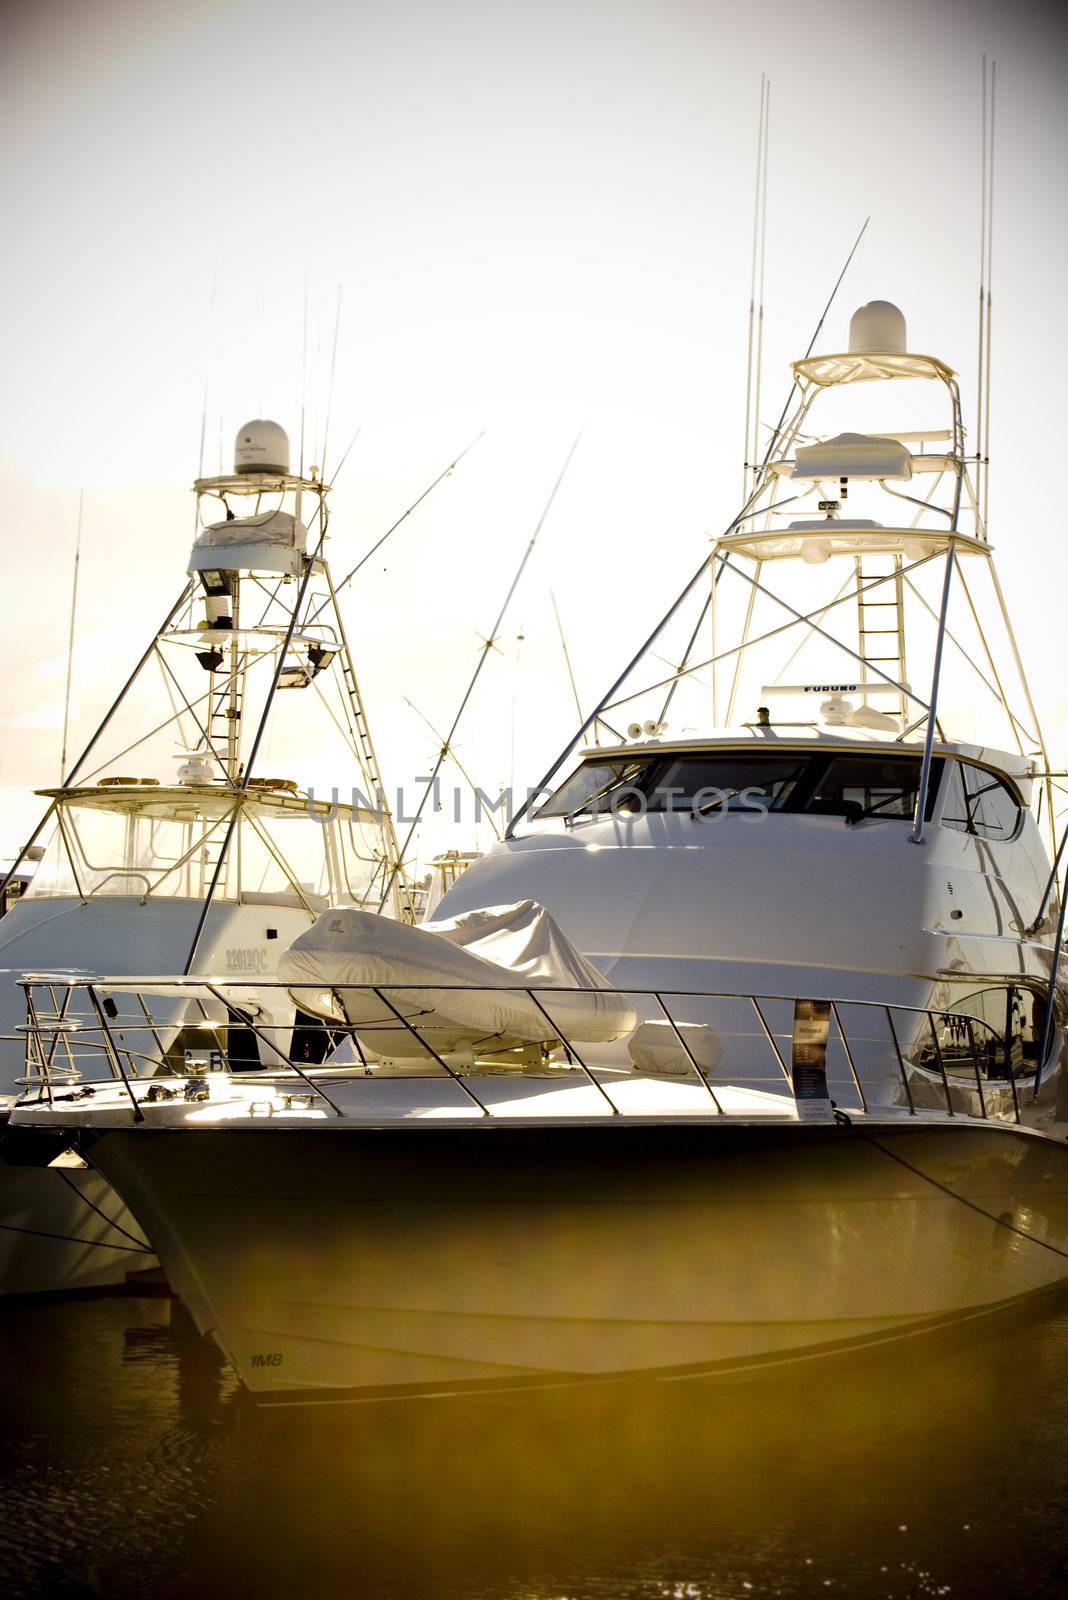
{"x":450,"y":987}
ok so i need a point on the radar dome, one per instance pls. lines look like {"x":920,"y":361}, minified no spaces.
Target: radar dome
{"x":878,"y":327}
{"x":261,"y":446}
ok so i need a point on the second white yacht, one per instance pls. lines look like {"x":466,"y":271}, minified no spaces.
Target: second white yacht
{"x":198,"y":861}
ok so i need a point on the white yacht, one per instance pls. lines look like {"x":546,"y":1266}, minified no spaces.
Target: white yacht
{"x":746,"y":1044}
{"x":170,"y":847}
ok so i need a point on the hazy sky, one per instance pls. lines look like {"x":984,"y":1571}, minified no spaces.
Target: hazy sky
{"x":536,"y":214}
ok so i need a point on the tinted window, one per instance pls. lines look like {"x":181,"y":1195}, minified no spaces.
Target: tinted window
{"x":980,"y":803}
{"x":882,"y":786}
{"x":736,"y":782}
{"x":876,"y":785}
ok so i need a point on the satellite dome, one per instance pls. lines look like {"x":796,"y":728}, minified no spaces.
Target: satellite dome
{"x":261,"y":446}
{"x":878,"y":327}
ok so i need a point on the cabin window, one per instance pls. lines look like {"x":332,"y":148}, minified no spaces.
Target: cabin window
{"x":980,"y":803}
{"x":111,"y":852}
{"x":853,"y":785}
{"x":96,"y":850}
{"x":882,"y":786}
{"x":360,"y":863}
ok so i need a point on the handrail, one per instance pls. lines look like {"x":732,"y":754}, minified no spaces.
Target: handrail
{"x":122,"y":872}
{"x":919,"y":1064}
{"x":138,"y":985}
{"x":247,"y":1022}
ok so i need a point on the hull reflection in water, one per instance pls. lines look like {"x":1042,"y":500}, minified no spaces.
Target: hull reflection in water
{"x":898,"y":1472}
{"x":377,"y":1264}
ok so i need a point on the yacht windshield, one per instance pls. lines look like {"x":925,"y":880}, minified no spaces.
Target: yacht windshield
{"x":882,"y":786}
{"x":739,"y":782}
{"x":813,"y":782}
{"x":169,"y":849}
{"x":592,"y":788}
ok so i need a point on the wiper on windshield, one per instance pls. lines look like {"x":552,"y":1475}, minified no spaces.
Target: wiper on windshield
{"x":854,"y":812}
{"x":621,"y":781}
{"x":708,"y":806}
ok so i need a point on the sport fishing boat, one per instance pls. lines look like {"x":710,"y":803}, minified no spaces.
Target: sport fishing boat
{"x":196,"y":861}
{"x":746,"y":1044}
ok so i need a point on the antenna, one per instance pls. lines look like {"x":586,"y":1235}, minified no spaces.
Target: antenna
{"x":70,"y":635}
{"x":982,"y":265}
{"x":211,"y":327}
{"x":207,"y":372}
{"x":454,"y":758}
{"x":811,"y":346}
{"x":304,"y":366}
{"x":331,"y":481}
{"x":347,"y":579}
{"x":752,"y":410}
{"x":567,"y":661}
{"x":519,"y":641}
{"x":487,"y":645}
{"x":760,"y":307}
{"x":988,"y":81}
{"x":330,"y":389}
{"x":989,"y":279}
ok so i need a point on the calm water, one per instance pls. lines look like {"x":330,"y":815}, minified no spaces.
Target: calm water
{"x":132,"y":1467}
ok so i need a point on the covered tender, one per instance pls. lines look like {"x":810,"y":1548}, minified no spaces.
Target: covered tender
{"x":451,"y":985}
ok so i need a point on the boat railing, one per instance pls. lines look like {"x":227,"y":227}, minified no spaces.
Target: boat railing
{"x":796,"y":1057}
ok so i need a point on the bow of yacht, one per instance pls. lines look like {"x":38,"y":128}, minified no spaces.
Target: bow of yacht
{"x":738,"y":1181}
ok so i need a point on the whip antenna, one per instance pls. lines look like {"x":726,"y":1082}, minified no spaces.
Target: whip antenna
{"x":304,"y":368}
{"x":461,"y":769}
{"x":70,"y":634}
{"x":988,"y":84}
{"x":487,"y":645}
{"x":347,"y":579}
{"x":567,"y":661}
{"x":344,"y":458}
{"x":760,"y":305}
{"x":989,"y":278}
{"x":982,"y":271}
{"x":207,"y":375}
{"x":330,"y":388}
{"x":757,"y":254}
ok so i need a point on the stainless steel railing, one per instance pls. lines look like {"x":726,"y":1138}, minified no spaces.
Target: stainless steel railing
{"x":817,"y":1055}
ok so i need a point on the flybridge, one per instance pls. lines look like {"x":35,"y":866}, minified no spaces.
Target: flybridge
{"x":257,"y":617}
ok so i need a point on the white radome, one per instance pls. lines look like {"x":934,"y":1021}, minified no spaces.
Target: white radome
{"x":261,"y":446}
{"x":877,"y":327}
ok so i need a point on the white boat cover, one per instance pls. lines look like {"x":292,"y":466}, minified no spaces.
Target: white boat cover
{"x":273,"y":541}
{"x":853,"y":455}
{"x":269,"y":527}
{"x":454,"y":982}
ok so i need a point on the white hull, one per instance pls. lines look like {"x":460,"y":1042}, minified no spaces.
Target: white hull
{"x":65,"y":1229}
{"x":367,"y":1264}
